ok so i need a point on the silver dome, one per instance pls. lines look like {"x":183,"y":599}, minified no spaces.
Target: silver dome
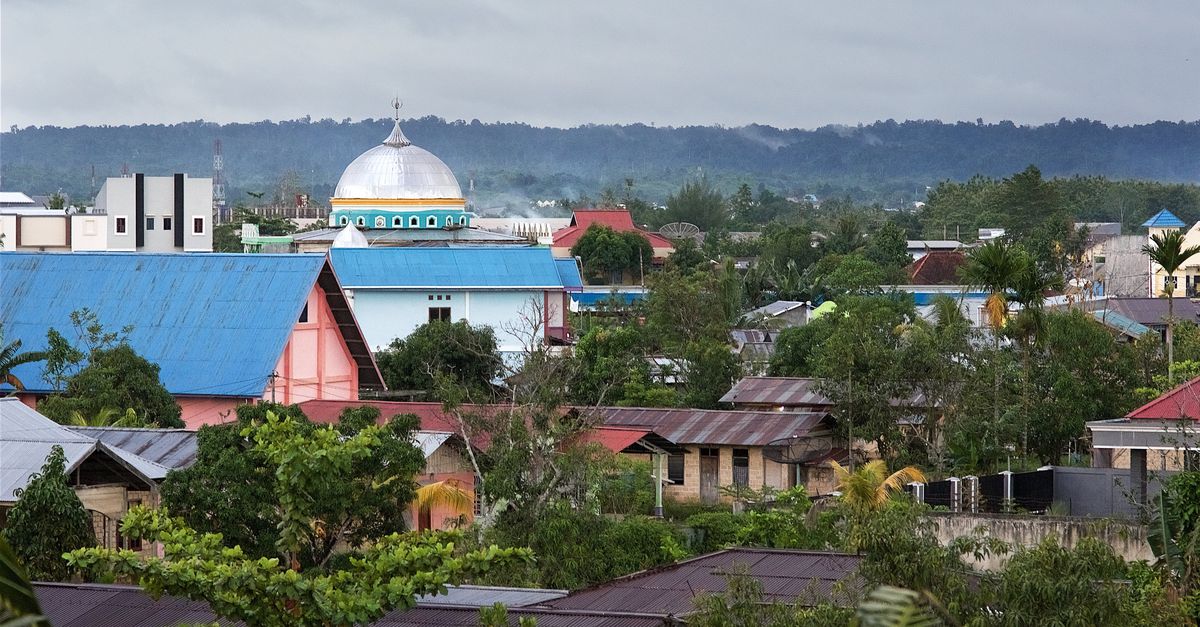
{"x":397,"y":169}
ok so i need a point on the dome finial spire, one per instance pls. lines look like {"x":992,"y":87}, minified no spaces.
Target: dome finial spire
{"x":397,"y":137}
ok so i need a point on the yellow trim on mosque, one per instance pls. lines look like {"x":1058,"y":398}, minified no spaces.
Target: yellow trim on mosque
{"x":438,"y":202}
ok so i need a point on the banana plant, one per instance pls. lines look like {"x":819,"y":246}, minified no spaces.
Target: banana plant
{"x":18,"y":603}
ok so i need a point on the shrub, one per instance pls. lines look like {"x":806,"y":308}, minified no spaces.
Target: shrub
{"x":715,"y":530}
{"x":47,"y":521}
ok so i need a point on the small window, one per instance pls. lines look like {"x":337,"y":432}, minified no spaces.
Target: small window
{"x":447,"y":296}
{"x":343,"y":221}
{"x":119,"y":225}
{"x":449,"y":221}
{"x":439,"y":297}
{"x":397,"y":222}
{"x":380,"y":222}
{"x":166,"y":223}
{"x":675,"y":468}
{"x":89,"y":226}
{"x":413,"y":222}
{"x":361,"y":221}
{"x":197,"y":226}
{"x":149,"y":223}
{"x":304,"y":313}
{"x":463,"y":220}
{"x":431,"y":222}
{"x":431,"y":297}
{"x":741,"y":467}
{"x":439,"y":313}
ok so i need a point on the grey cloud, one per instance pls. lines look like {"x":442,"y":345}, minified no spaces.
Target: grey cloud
{"x":565,"y":63}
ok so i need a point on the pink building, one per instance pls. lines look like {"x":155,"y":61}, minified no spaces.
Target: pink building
{"x":224,"y":329}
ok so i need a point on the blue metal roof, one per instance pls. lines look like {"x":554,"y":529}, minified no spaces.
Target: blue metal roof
{"x":446,"y":268}
{"x":215,"y":324}
{"x":1124,"y":324}
{"x":592,"y":299}
{"x":1164,"y":220}
{"x":568,"y":273}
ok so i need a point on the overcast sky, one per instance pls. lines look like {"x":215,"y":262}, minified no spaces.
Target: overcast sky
{"x":562,"y":63}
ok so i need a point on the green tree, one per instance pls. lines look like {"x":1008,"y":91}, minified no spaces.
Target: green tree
{"x":795,"y":349}
{"x":308,"y":464}
{"x":115,"y":378}
{"x":710,"y":369}
{"x":1026,"y":200}
{"x":229,"y":488}
{"x":688,"y":257}
{"x":11,"y":357}
{"x":467,"y":354}
{"x":685,"y":308}
{"x":782,"y":244}
{"x":847,"y":236}
{"x":854,"y":274}
{"x":698,"y":202}
{"x":888,"y":249}
{"x":1050,"y":584}
{"x":48,"y":519}
{"x":606,"y":254}
{"x":741,"y":204}
{"x":56,"y":202}
{"x":609,"y":358}
{"x":1169,"y":252}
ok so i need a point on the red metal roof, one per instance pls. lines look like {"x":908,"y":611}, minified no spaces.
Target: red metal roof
{"x":1181,"y":402}
{"x":937,"y":267}
{"x":615,"y":219}
{"x":716,"y":427}
{"x":788,"y":576}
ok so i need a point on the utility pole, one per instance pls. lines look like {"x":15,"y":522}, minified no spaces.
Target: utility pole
{"x":274,"y":375}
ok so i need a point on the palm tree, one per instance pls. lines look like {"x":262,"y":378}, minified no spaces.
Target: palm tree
{"x":869,"y":486}
{"x":1029,"y":291}
{"x":11,"y":357}
{"x":994,"y":267}
{"x":446,"y":493}
{"x":1169,"y":253}
{"x":107,"y":417}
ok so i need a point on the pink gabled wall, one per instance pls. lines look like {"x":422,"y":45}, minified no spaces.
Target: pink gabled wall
{"x":208,"y":410}
{"x":316,"y":363}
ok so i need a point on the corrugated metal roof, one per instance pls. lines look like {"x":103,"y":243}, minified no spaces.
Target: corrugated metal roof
{"x":1152,"y":312}
{"x":429,"y":441}
{"x":172,"y":448}
{"x":568,"y":273}
{"x":27,"y":437}
{"x":215,"y":324}
{"x":99,"y":605}
{"x":1181,"y":402}
{"x":482,"y":596}
{"x":798,"y":392}
{"x":707,"y":426}
{"x":618,"y":220}
{"x":443,"y":268}
{"x":1163,"y":219}
{"x":1121,"y":323}
{"x":776,"y":308}
{"x":793,"y":577}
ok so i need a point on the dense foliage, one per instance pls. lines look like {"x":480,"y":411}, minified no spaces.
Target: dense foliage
{"x":230,"y":489}
{"x":464,"y":354}
{"x":48,"y":519}
{"x":310,"y":464}
{"x":512,"y":162}
{"x":607,"y":255}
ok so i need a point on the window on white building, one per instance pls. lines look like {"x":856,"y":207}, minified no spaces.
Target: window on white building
{"x":197,"y":225}
{"x":119,"y":225}
{"x":149,"y":223}
{"x":166,"y":223}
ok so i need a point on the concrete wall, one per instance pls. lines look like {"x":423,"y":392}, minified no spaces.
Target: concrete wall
{"x":762,"y":472}
{"x":1103,"y":492}
{"x":8,"y":232}
{"x":385,"y":315}
{"x":89,"y":232}
{"x":1127,"y":539}
{"x":42,"y":233}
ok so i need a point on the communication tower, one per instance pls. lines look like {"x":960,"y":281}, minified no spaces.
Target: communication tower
{"x":218,"y":180}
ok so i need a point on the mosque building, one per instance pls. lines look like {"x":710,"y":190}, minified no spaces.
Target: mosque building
{"x":400,"y":186}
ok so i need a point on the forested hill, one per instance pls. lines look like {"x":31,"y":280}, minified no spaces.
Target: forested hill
{"x":880,"y":159}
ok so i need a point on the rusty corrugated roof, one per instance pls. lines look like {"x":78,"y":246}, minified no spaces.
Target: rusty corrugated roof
{"x":788,"y":576}
{"x":711,"y":426}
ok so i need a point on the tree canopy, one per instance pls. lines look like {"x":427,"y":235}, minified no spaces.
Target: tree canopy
{"x":48,"y":519}
{"x":465,"y":354}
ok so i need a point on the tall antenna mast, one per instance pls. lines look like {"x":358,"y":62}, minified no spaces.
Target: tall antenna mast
{"x":218,"y":181}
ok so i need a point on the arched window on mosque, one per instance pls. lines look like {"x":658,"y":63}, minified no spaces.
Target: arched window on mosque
{"x":462,"y":220}
{"x":431,"y":222}
{"x":344,"y":221}
{"x":361,"y":221}
{"x":414,"y":223}
{"x":397,"y":222}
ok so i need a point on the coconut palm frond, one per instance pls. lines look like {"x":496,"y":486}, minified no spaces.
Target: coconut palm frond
{"x":443,"y":493}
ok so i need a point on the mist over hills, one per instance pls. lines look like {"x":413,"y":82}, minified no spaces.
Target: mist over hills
{"x":511,"y":163}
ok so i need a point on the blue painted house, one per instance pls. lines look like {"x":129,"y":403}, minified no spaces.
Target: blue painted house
{"x":224,"y":329}
{"x":521,"y":293}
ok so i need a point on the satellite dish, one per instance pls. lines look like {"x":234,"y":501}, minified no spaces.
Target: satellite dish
{"x":798,"y":450}
{"x":679,"y":230}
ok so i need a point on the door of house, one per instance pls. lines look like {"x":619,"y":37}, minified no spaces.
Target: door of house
{"x":710,"y":461}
